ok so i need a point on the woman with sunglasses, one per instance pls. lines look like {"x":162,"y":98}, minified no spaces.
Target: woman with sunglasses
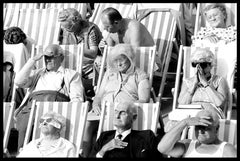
{"x":204,"y":87}
{"x":51,"y":144}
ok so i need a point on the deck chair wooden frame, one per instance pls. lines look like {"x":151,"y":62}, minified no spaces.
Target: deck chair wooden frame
{"x":201,"y":22}
{"x":145,"y":60}
{"x":73,"y":56}
{"x":125,"y":9}
{"x":80,"y":7}
{"x":223,"y":67}
{"x":40,"y":24}
{"x":147,"y":117}
{"x":8,"y":111}
{"x":74,"y":112}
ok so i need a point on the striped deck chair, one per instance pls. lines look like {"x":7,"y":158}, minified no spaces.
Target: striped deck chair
{"x":40,"y":24}
{"x":73,"y":56}
{"x":147,"y":117}
{"x":125,"y":9}
{"x":224,"y":66}
{"x":74,"y":112}
{"x":80,"y":7}
{"x":145,"y":60}
{"x":8,"y":110}
{"x":227,"y":131}
{"x":200,"y":19}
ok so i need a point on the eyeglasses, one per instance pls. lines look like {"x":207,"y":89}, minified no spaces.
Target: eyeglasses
{"x":68,"y":27}
{"x":205,"y":128}
{"x":51,"y":121}
{"x":202,"y":65}
{"x":48,"y":120}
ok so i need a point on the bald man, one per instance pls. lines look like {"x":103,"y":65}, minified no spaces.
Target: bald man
{"x":123,"y":30}
{"x":51,"y":83}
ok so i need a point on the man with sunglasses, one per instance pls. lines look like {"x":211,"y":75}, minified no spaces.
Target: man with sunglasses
{"x":50,"y":83}
{"x":207,"y":144}
{"x":204,"y":87}
{"x":50,"y":144}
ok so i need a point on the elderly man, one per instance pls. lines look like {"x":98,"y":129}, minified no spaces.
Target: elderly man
{"x":51,"y":144}
{"x":75,"y":30}
{"x":207,"y":144}
{"x":125,"y":142}
{"x":51,"y":83}
{"x":123,"y":30}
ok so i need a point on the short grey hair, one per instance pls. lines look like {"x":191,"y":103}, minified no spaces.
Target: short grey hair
{"x":69,"y":14}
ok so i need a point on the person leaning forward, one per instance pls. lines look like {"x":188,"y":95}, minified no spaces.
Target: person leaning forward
{"x":50,"y":83}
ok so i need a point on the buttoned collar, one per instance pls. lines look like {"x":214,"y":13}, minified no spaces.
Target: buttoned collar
{"x":124,"y":134}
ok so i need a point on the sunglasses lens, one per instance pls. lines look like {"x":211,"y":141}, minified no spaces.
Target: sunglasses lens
{"x":194,"y":65}
{"x":47,"y":120}
{"x":204,"y":65}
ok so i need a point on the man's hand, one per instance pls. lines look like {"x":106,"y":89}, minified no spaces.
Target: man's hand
{"x":96,"y":109}
{"x":114,"y":143}
{"x":38,"y":57}
{"x":202,"y":120}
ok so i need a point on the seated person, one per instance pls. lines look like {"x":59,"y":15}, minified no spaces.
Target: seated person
{"x":75,"y":30}
{"x":216,"y":15}
{"x":204,"y":87}
{"x":122,"y":82}
{"x":125,"y":142}
{"x":51,"y":144}
{"x":207,"y":144}
{"x":50,"y":83}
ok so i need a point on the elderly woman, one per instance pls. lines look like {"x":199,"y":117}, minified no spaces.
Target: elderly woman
{"x":216,"y":16}
{"x":204,"y":87}
{"x":206,"y":124}
{"x":51,"y":144}
{"x":75,"y":30}
{"x":122,"y":82}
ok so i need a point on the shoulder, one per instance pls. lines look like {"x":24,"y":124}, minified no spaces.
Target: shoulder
{"x":67,"y":143}
{"x":229,"y":150}
{"x":141,"y":74}
{"x":70,"y":72}
{"x":143,"y":133}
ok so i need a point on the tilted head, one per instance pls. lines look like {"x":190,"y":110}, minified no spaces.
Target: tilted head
{"x":53,"y":56}
{"x":14,"y":35}
{"x":125,"y":114}
{"x":110,"y":19}
{"x":216,"y":15}
{"x":121,"y":58}
{"x":70,"y":19}
{"x":51,"y":123}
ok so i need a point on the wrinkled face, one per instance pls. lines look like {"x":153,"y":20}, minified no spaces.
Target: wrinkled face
{"x":69,"y":26}
{"x":122,"y":118}
{"x":52,"y":62}
{"x":108,"y":26}
{"x":215,"y":18}
{"x":205,"y":134}
{"x":121,"y":63}
{"x":49,"y":125}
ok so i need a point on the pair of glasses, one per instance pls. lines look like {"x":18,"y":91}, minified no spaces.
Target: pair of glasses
{"x":202,"y":65}
{"x":51,"y":121}
{"x":48,"y":120}
{"x":51,"y":57}
{"x":204,"y":128}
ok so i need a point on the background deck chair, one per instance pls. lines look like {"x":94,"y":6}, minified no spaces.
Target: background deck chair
{"x":8,"y":110}
{"x":81,"y":7}
{"x":40,"y":24}
{"x":145,"y":60}
{"x":224,"y":66}
{"x":74,"y":112}
{"x":125,"y":9}
{"x":147,"y":117}
{"x":200,"y":19}
{"x":73,"y":56}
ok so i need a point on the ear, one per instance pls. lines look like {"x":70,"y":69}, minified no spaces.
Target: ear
{"x":62,"y":58}
{"x":134,"y":117}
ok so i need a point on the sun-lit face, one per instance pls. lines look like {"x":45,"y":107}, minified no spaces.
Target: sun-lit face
{"x":121,"y":63}
{"x":215,"y":18}
{"x":52,"y":62}
{"x":69,"y":26}
{"x":122,"y":118}
{"x":47,"y":125}
{"x":205,"y":134}
{"x":108,"y":26}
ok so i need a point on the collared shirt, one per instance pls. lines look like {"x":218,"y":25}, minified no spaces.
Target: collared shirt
{"x":124,"y":134}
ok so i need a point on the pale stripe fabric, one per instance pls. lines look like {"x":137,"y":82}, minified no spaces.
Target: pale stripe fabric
{"x":126,"y":10}
{"x":40,"y":24}
{"x":75,"y":114}
{"x":147,"y":117}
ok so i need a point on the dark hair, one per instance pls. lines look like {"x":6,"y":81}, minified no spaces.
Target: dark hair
{"x":113,"y":14}
{"x":14,"y":35}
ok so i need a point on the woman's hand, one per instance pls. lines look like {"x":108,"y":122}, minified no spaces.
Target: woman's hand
{"x":212,"y":38}
{"x":201,"y":76}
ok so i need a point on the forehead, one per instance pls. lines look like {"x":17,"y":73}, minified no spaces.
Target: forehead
{"x":105,"y":20}
{"x":121,"y":57}
{"x":213,"y":11}
{"x":121,"y":108}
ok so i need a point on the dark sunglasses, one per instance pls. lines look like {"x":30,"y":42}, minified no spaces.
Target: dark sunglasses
{"x":205,"y":128}
{"x":46,"y":120}
{"x":202,"y":65}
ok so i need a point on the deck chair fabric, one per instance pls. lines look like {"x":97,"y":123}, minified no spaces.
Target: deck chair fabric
{"x":73,"y":56}
{"x":74,"y":112}
{"x":227,"y":131}
{"x":40,"y":24}
{"x":224,"y":66}
{"x":147,"y":117}
{"x":145,"y":60}
{"x":125,"y":9}
{"x":8,"y":111}
{"x":80,"y":7}
{"x":200,"y":19}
